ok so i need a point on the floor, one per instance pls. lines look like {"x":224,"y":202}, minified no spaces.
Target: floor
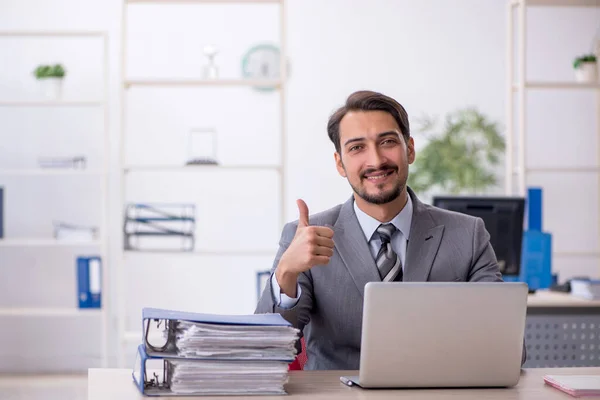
{"x":46,"y":387}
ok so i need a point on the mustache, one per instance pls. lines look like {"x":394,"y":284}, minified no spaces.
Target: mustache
{"x":384,"y":168}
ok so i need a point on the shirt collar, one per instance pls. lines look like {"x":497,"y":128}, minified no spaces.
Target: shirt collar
{"x":402,"y":221}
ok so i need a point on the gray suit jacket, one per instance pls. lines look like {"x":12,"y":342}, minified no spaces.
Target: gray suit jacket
{"x":444,"y":246}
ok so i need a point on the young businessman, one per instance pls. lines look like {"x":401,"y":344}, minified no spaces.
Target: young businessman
{"x":382,"y":233}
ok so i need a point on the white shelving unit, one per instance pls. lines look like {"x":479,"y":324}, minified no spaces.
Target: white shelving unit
{"x":201,"y":82}
{"x":33,"y":243}
{"x":49,"y":172}
{"x":198,"y":169}
{"x":49,"y":312}
{"x":518,"y":170}
{"x":129,"y":83}
{"x":51,"y":103}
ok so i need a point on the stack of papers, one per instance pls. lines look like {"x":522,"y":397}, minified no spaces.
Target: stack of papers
{"x":66,"y":231}
{"x":207,"y":354}
{"x":220,"y":377}
{"x":235,"y":342}
{"x":586,"y":289}
{"x":231,"y":359}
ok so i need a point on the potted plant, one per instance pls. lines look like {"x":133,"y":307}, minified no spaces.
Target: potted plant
{"x":51,"y":79}
{"x":586,"y":69}
{"x":460,"y":157}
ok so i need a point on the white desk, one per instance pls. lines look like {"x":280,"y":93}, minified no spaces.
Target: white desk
{"x":544,"y":298}
{"x":116,"y":384}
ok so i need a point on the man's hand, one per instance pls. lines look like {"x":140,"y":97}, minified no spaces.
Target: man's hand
{"x":311,"y":246}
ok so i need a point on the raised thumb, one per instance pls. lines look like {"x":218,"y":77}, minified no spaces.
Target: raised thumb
{"x":303,"y":211}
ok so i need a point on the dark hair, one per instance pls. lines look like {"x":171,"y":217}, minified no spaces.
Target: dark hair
{"x":365,"y":100}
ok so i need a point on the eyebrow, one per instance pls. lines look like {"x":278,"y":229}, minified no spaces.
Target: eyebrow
{"x":379,"y":136}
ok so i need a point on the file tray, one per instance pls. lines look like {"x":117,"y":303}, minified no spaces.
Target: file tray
{"x":159,"y":227}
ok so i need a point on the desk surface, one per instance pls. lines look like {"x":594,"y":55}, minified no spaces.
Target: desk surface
{"x":116,"y":384}
{"x":545,"y":298}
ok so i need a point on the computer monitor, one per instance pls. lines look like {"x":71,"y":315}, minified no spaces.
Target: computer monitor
{"x":503,"y":218}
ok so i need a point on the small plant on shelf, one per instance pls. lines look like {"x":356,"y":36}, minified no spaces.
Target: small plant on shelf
{"x":51,"y":79}
{"x":49,"y":71}
{"x":586,"y":68}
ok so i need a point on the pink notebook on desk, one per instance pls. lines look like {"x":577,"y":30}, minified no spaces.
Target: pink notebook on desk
{"x":575,"y":385}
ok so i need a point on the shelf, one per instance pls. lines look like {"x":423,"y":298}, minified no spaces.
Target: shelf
{"x":201,"y":82}
{"x":45,"y":381}
{"x":564,"y":169}
{"x":559,"y":3}
{"x":582,"y":254}
{"x":197,"y":253}
{"x":558,"y":85}
{"x":50,"y":312}
{"x":50,"y":103}
{"x":52,"y":33}
{"x":51,"y":172}
{"x":204,"y":1}
{"x":196,"y":168}
{"x":30,"y":242}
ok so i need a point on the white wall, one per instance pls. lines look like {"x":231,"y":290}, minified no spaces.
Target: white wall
{"x":434,"y":56}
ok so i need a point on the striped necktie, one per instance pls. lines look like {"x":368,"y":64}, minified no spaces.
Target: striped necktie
{"x":388,"y":262}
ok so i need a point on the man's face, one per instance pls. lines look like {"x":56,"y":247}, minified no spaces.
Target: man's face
{"x":374,"y":155}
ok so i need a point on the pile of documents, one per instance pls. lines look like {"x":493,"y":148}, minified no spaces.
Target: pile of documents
{"x":200,"y":354}
{"x":76,"y":233}
{"x":586,"y":288}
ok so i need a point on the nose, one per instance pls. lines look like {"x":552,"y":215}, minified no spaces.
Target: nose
{"x":375,"y":158}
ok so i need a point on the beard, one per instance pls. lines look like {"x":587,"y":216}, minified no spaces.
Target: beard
{"x":383,"y":197}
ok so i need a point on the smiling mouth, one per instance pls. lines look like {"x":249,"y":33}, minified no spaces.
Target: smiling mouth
{"x":380,"y":176}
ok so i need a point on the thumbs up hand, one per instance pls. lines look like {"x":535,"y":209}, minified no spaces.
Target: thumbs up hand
{"x":311,"y":246}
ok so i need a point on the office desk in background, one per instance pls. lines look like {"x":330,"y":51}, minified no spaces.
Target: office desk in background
{"x":116,"y":384}
{"x":562,"y":331}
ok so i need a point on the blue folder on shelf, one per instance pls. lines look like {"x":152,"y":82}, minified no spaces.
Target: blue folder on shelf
{"x":89,"y":281}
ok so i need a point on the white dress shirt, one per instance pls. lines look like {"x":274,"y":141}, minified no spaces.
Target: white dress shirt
{"x":369,"y":225}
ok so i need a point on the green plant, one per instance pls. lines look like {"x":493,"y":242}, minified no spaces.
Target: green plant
{"x":49,"y":71}
{"x":459,"y":159}
{"x":583,"y":59}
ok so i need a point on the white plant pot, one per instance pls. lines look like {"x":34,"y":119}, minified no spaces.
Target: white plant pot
{"x":587,"y":72}
{"x":51,"y":87}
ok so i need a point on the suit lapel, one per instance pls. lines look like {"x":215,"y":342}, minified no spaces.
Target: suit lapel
{"x":353,"y":248}
{"x":424,"y":241}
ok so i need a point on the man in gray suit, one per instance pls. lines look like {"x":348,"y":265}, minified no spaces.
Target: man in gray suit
{"x":382,"y":233}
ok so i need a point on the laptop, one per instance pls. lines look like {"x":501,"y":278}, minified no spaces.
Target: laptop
{"x":447,"y":334}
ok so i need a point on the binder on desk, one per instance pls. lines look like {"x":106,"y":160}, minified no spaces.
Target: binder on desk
{"x":179,"y":333}
{"x":159,"y":376}
{"x":208,"y":354}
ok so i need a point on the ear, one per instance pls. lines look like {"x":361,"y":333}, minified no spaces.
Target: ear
{"x":410,"y":150}
{"x":339,"y":165}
